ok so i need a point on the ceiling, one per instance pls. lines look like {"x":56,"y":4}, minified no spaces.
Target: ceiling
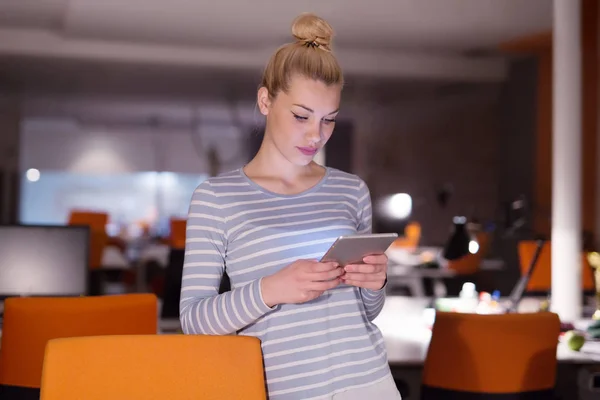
{"x":117,"y":61}
{"x":430,"y":25}
{"x":446,"y":40}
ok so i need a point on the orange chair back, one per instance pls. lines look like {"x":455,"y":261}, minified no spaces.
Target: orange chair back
{"x":98,"y":242}
{"x":484,"y":239}
{"x":154,"y":367}
{"x":411,"y":238}
{"x":541,"y":279}
{"x":466,"y":265}
{"x":177,"y":237}
{"x":491,"y":354}
{"x":98,"y":238}
{"x":471,"y":263}
{"x":95,"y":220}
{"x":30,"y":322}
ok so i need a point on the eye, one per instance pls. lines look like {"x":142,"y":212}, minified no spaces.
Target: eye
{"x":299,"y":118}
{"x":329,"y":120}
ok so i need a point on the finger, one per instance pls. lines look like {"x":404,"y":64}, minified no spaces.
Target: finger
{"x":357,"y":276}
{"x":323,"y":267}
{"x":365,"y":268}
{"x":323,"y":286}
{"x":326,"y":275}
{"x":376,"y":259}
{"x":367,"y":285}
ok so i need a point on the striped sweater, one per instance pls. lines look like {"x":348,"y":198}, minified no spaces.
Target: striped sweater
{"x":311,"y":350}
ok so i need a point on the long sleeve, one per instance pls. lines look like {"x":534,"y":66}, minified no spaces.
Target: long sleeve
{"x":373,"y":300}
{"x":202,"y":309}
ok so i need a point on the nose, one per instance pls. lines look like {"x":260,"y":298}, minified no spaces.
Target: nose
{"x":314,"y":134}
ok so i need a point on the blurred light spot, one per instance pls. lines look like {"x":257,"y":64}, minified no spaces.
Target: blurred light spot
{"x":473,"y":247}
{"x":398,"y":206}
{"x":32,"y":175}
{"x":459,"y":220}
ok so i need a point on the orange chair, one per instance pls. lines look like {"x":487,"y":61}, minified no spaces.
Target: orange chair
{"x":541,"y":279}
{"x":411,"y":238}
{"x":471,"y":356}
{"x":484,"y":240}
{"x":177,"y":237}
{"x":466,"y":265}
{"x":98,"y":238}
{"x":469,"y":264}
{"x":30,"y":322}
{"x":154,"y":367}
{"x":93,"y":219}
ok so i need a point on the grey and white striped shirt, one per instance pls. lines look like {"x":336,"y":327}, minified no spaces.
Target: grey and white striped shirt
{"x":310,"y":350}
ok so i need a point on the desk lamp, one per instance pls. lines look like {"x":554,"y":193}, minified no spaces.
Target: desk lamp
{"x":460,"y":242}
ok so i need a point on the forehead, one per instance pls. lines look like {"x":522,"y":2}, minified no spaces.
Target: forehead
{"x":313,"y":94}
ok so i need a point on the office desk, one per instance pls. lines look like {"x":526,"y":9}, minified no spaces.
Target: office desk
{"x":404,"y":323}
{"x":413,"y":276}
{"x":405,"y":329}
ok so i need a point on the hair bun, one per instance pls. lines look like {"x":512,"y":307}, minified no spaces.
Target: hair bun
{"x":312,"y":29}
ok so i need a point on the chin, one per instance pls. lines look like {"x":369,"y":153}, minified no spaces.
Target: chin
{"x":303,"y":162}
{"x":300,"y":161}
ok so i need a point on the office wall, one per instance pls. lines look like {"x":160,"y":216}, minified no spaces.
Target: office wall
{"x":415,"y":143}
{"x":540,"y":46}
{"x":518,"y":126}
{"x":63,"y":145}
{"x":518,"y":110}
{"x":417,"y":147}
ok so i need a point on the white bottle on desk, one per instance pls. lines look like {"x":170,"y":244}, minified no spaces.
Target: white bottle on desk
{"x":469,"y":298}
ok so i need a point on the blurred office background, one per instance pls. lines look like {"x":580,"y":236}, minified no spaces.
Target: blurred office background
{"x":124,"y":108}
{"x":115,"y":111}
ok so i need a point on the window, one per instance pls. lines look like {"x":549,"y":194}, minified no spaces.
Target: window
{"x":148,"y":197}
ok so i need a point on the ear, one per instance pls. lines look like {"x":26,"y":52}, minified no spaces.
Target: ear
{"x":263,"y":100}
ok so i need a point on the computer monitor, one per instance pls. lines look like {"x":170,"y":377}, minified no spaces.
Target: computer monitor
{"x":43,"y":260}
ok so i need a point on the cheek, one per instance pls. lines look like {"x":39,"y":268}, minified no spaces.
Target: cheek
{"x":284,"y":129}
{"x":327,"y":132}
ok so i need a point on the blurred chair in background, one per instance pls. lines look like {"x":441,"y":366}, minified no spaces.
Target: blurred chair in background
{"x":30,"y":322}
{"x":473,"y":356}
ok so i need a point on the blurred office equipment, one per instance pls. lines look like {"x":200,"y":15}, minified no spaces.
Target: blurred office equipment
{"x":43,"y":260}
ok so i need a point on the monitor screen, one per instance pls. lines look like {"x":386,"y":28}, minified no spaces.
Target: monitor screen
{"x":43,"y":260}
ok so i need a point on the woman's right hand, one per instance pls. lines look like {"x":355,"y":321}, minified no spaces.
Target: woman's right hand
{"x":299,"y":282}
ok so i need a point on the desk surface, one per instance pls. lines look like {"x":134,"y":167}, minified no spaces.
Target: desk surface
{"x":406,"y":334}
{"x":404,"y":326}
{"x":399,"y":271}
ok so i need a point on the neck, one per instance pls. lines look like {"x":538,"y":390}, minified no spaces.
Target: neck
{"x":270,"y":162}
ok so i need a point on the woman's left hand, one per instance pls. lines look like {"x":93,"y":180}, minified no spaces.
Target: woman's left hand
{"x":370,"y":275}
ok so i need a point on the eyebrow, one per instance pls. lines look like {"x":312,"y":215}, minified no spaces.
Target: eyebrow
{"x":311,"y":110}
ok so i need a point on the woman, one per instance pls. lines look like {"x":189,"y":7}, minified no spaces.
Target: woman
{"x":266,"y":225}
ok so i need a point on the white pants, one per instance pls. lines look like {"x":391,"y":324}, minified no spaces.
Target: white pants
{"x":382,"y":390}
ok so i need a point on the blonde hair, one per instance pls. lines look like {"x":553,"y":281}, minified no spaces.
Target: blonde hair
{"x":310,"y":56}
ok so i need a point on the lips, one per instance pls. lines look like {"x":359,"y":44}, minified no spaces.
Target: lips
{"x":308,"y":151}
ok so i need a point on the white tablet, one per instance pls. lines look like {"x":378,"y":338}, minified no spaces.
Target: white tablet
{"x":353,"y":248}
